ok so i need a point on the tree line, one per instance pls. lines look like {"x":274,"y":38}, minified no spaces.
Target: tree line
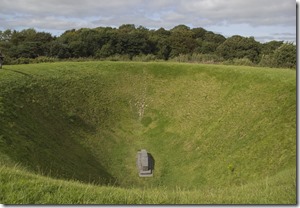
{"x":129,"y":42}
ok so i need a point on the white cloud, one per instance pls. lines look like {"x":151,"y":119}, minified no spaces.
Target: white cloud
{"x":68,"y":14}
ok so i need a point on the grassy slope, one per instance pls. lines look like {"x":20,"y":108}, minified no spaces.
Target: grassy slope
{"x":218,"y":134}
{"x":21,"y":187}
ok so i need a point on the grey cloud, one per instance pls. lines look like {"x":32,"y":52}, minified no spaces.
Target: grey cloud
{"x":66,"y":8}
{"x":45,"y":23}
{"x":68,"y":14}
{"x":254,"y":12}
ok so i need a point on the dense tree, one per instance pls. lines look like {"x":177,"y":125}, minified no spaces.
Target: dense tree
{"x":209,"y":42}
{"x":129,"y":40}
{"x":199,"y":33}
{"x":161,"y":46}
{"x":182,"y":40}
{"x":270,"y":47}
{"x":133,"y":43}
{"x":239,"y":47}
{"x":59,"y":50}
{"x":127,"y":28}
{"x":26,"y":43}
{"x":286,"y":55}
{"x":106,"y":50}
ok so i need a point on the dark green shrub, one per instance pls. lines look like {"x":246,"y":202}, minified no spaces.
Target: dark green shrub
{"x":286,"y":55}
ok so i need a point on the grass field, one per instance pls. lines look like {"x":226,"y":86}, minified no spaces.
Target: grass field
{"x":69,"y":133}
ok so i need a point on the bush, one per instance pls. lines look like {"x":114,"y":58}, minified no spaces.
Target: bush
{"x":239,"y":62}
{"x":118,"y":57}
{"x":198,"y":58}
{"x":8,"y":60}
{"x":181,"y":58}
{"x":44,"y":59}
{"x":206,"y":58}
{"x":243,"y":61}
{"x":22,"y":60}
{"x":267,"y":61}
{"x":144,"y":58}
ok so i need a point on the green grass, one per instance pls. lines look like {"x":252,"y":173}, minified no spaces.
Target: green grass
{"x":21,"y":187}
{"x":69,"y":133}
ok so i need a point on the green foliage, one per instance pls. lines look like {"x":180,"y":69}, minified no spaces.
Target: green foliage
{"x":59,"y":50}
{"x":239,"y":47}
{"x":286,"y":55}
{"x":181,"y":41}
{"x":40,"y":59}
{"x":268,"y":61}
{"x":144,"y":58}
{"x":209,"y":43}
{"x":239,"y":62}
{"x":227,"y":131}
{"x":198,"y":58}
{"x":22,"y":60}
{"x":25,"y":44}
{"x":105,"y":51}
{"x":118,"y":57}
{"x":270,"y":47}
{"x":129,"y":40}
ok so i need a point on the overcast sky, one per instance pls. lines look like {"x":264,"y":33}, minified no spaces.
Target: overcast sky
{"x":264,"y":19}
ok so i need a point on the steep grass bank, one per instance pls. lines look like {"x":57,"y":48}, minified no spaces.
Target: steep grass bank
{"x":208,"y":127}
{"x":21,"y":187}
